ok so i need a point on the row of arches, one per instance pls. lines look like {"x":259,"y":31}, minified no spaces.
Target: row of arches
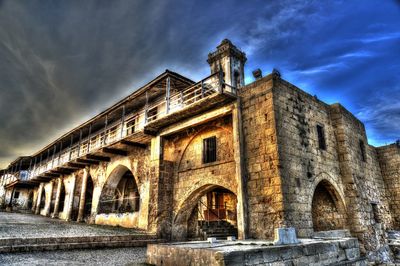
{"x":119,"y":194}
{"x":209,"y":203}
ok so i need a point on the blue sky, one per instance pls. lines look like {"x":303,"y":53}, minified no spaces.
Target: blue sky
{"x":62,"y":62}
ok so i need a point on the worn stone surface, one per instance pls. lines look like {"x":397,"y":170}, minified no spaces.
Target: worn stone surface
{"x":110,"y":256}
{"x":307,"y":252}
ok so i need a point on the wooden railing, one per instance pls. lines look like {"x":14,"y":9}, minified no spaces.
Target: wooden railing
{"x":134,"y":122}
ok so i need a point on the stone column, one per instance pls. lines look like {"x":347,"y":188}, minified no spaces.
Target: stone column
{"x":51,"y":198}
{"x":238,"y":145}
{"x":39,"y":198}
{"x":58,"y":195}
{"x":71,"y":199}
{"x":83,"y":193}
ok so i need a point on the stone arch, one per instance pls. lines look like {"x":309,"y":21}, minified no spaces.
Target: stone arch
{"x":328,"y":207}
{"x":201,"y":131}
{"x":110,"y":193}
{"x":185,"y":209}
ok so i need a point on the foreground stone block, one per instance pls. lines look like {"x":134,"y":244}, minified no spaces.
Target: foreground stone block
{"x":306,"y":252}
{"x":285,"y":236}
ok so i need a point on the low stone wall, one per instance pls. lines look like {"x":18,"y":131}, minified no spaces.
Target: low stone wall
{"x":307,"y":252}
{"x":128,"y":220}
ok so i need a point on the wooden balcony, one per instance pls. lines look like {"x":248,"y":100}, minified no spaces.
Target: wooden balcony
{"x":136,"y":128}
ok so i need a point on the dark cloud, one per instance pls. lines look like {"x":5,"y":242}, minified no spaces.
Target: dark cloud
{"x":62,"y":62}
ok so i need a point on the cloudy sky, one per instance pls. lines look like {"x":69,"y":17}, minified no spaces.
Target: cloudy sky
{"x":62,"y":62}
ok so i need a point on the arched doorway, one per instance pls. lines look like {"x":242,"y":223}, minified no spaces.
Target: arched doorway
{"x":53,"y":199}
{"x":120,"y":194}
{"x":88,"y":199}
{"x":210,"y":211}
{"x":328,"y":211}
{"x":30,"y":200}
{"x":42,"y":200}
{"x":62,"y":198}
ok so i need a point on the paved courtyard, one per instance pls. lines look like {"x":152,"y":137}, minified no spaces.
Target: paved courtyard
{"x":29,"y":225}
{"x":17,"y":225}
{"x":114,"y":256}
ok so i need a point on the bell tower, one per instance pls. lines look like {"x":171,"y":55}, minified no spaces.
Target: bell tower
{"x":231,"y":60}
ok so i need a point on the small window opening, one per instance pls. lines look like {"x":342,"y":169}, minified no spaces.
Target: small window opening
{"x":16,"y":195}
{"x":209,"y":150}
{"x":362,"y":150}
{"x":321,"y":137}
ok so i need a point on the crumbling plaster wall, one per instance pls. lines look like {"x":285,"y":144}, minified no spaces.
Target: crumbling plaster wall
{"x":137,"y":162}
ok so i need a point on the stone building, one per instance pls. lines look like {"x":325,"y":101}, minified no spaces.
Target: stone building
{"x":177,"y":156}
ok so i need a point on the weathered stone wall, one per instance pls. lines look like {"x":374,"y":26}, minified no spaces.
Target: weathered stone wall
{"x":21,"y":203}
{"x":191,"y":177}
{"x":303,"y":163}
{"x":389,"y":160}
{"x":362,"y":180}
{"x":264,"y":191}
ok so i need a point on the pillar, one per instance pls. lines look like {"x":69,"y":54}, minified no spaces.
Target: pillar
{"x":71,"y":198}
{"x":47,"y":213}
{"x":238,"y":146}
{"x":58,"y":195}
{"x":83,"y":193}
{"x":39,"y":198}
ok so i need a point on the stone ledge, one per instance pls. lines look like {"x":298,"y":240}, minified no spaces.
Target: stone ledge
{"x":307,"y":252}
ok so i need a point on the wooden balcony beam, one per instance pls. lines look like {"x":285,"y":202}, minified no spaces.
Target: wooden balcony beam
{"x":87,"y":162}
{"x":76,"y":165}
{"x":51,"y":175}
{"x":65,"y":169}
{"x":98,"y":158}
{"x":61,"y":172}
{"x":115,"y":151}
{"x":133,"y":144}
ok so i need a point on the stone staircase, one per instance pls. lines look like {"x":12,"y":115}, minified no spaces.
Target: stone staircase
{"x":217,"y":229}
{"x":64,"y":243}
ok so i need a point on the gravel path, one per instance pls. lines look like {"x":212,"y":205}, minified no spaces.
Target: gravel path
{"x":30,"y":225}
{"x":116,"y":256}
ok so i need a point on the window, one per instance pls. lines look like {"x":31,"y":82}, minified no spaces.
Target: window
{"x":16,"y":195}
{"x":130,"y":126}
{"x":152,"y":114}
{"x":362,"y":151}
{"x":321,"y":137}
{"x":209,"y":150}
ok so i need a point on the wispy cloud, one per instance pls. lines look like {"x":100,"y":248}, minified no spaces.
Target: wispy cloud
{"x":358,"y":54}
{"x":381,"y":37}
{"x":322,"y":68}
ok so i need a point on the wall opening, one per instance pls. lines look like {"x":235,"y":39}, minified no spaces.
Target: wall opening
{"x":62,"y":198}
{"x":209,"y":211}
{"x":88,"y":198}
{"x":42,"y":200}
{"x":328,"y":212}
{"x":120,"y":194}
{"x":30,"y":200}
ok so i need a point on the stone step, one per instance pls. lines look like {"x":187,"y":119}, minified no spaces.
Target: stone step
{"x":56,"y":240}
{"x":78,"y":245}
{"x":220,"y":231}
